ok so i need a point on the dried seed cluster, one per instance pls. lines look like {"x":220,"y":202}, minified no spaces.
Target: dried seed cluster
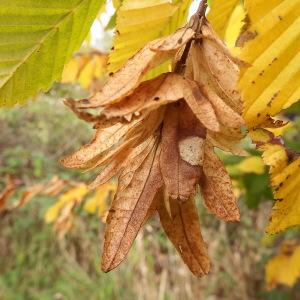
{"x":158,"y":136}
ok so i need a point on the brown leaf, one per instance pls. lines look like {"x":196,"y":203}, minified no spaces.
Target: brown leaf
{"x":54,"y":186}
{"x":103,"y":140}
{"x":27,"y":195}
{"x":221,"y":66}
{"x":123,"y":82}
{"x":230,"y":120}
{"x":226,"y":143}
{"x":148,"y":94}
{"x":7,"y":192}
{"x":205,"y":74}
{"x":200,"y":106}
{"x":174,"y":41}
{"x":183,"y":229}
{"x":64,"y":222}
{"x":129,"y":209}
{"x":86,"y":116}
{"x":128,"y":157}
{"x":179,"y":176}
{"x":144,"y":129}
{"x":165,"y":89}
{"x":209,"y":34}
{"x":217,"y":188}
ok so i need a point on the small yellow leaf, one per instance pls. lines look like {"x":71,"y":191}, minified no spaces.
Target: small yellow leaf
{"x":284,"y":268}
{"x":97,"y":203}
{"x":85,"y":68}
{"x":281,"y":130}
{"x":252,"y":164}
{"x":70,"y":71}
{"x":285,"y":179}
{"x":74,"y":194}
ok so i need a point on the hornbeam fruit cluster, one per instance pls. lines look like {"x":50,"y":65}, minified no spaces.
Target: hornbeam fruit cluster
{"x":158,"y":136}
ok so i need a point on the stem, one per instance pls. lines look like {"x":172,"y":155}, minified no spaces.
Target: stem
{"x":201,"y":8}
{"x":196,"y":22}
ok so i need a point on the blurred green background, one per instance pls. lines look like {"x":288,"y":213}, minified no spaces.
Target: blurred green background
{"x":36,"y":264}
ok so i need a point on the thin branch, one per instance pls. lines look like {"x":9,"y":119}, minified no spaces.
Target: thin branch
{"x":201,"y":8}
{"x":196,"y":23}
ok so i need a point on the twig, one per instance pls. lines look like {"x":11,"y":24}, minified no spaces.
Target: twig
{"x":201,"y":8}
{"x":196,"y":23}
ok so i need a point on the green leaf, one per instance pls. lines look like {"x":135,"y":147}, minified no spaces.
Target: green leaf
{"x":37,"y":38}
{"x":257,"y":189}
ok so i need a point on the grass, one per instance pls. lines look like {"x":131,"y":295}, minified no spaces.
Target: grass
{"x":36,"y":265}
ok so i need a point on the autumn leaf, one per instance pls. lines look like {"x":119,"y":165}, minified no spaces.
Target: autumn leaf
{"x":217,"y":187}
{"x":183,"y":229}
{"x":129,"y":77}
{"x":285,"y":179}
{"x":54,"y":186}
{"x":38,"y":38}
{"x":154,"y":18}
{"x":88,"y":69}
{"x":284,"y":268}
{"x":180,"y":177}
{"x":97,"y":203}
{"x":154,"y":136}
{"x":73,"y":195}
{"x":227,"y":19}
{"x":27,"y":195}
{"x":130,"y":207}
{"x":7,"y":192}
{"x":272,"y":81}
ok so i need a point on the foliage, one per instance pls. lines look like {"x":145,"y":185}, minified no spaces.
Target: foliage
{"x":271,"y":83}
{"x":154,"y":18}
{"x":227,"y":18}
{"x":89,"y":69}
{"x":284,"y":268}
{"x":149,"y":128}
{"x":38,"y":39}
{"x":38,"y":265}
{"x":285,"y":173}
{"x":159,"y":121}
{"x":61,"y":213}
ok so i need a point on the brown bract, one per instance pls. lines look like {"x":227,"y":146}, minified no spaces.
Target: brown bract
{"x":6,"y":193}
{"x":158,"y":137}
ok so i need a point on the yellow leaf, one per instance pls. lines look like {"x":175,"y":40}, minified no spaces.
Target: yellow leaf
{"x":73,"y":195}
{"x":260,"y":135}
{"x":272,"y":82}
{"x":116,"y":3}
{"x":87,"y":74}
{"x":70,"y":71}
{"x":140,"y":21}
{"x":252,"y":164}
{"x":235,"y":25}
{"x":281,"y":130}
{"x":284,"y":268}
{"x":97,"y":203}
{"x":85,"y":68}
{"x":285,"y":179}
{"x":227,"y":19}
